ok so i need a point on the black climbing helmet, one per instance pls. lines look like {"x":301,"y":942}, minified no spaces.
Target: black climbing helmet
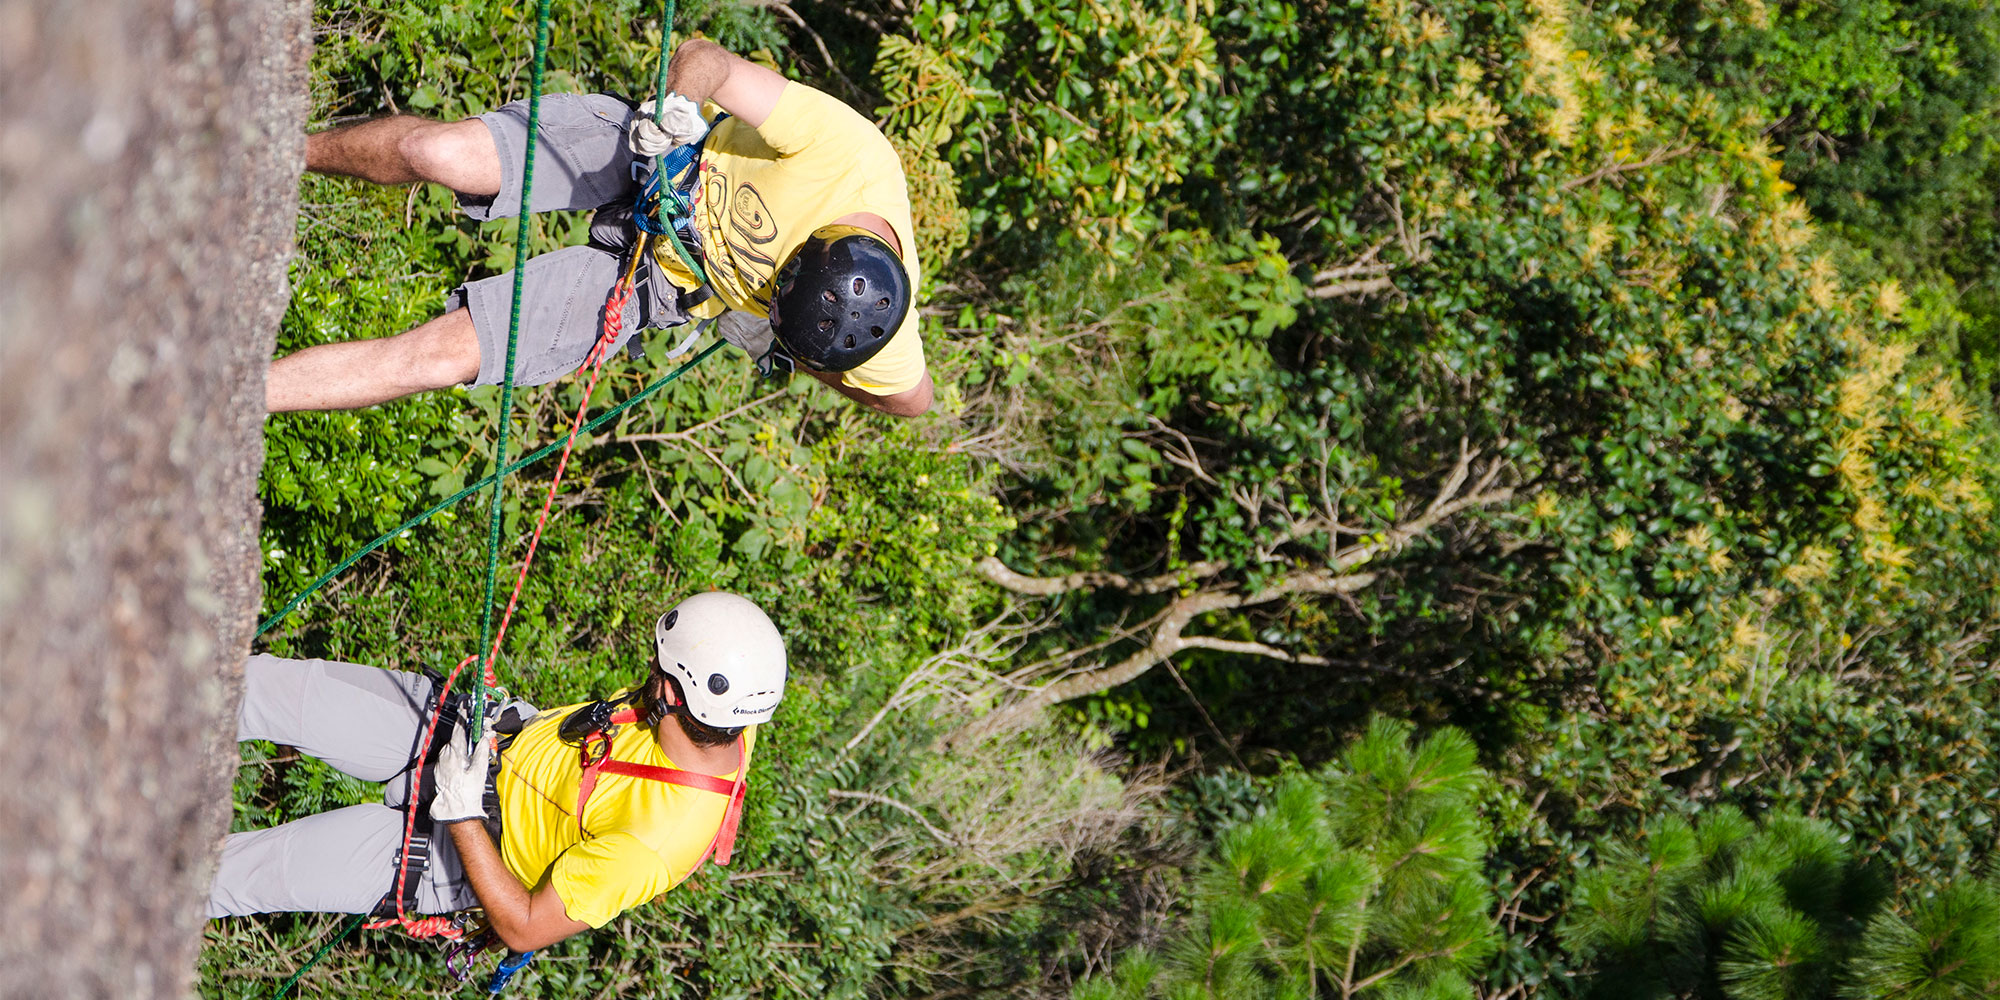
{"x":839,"y":298}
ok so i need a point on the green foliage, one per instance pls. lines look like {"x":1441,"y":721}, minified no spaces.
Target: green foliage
{"x":1735,"y":910}
{"x":1363,"y":878}
{"x":1747,"y":550}
{"x":1088,"y":357}
{"x":1884,"y":106}
{"x":1078,"y":113}
{"x":1248,"y":283}
{"x":1946,"y":947}
{"x":928,"y":97}
{"x":1734,"y":468}
{"x":1885,"y":111}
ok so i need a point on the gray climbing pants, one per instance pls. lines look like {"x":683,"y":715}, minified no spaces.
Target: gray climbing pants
{"x":365,"y":722}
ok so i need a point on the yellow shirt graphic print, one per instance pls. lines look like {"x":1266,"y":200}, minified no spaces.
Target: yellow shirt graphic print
{"x":644,"y":836}
{"x":762,"y":191}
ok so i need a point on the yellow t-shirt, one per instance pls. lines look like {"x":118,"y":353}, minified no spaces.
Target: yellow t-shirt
{"x":762,"y":191}
{"x":645,"y":837}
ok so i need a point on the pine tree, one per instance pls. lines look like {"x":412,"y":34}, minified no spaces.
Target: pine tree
{"x":1363,"y":879}
{"x":1730,"y":910}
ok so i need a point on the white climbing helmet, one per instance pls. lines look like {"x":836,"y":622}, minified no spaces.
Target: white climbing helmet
{"x":727,"y":656}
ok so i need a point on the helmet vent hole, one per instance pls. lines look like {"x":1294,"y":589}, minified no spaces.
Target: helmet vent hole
{"x":860,"y":286}
{"x":825,"y":325}
{"x":718,"y":684}
{"x":667,"y":623}
{"x":829,"y":296}
{"x":882,"y":303}
{"x":854,"y":315}
{"x":849,"y":342}
{"x":876,"y":330}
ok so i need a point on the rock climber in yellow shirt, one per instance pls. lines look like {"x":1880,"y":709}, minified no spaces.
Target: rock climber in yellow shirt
{"x":569,"y":818}
{"x":801,"y":218}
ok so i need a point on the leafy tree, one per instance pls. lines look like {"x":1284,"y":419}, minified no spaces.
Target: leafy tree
{"x":1073,"y":116}
{"x":1719,"y":466}
{"x":1884,"y":107}
{"x":1885,"y":113}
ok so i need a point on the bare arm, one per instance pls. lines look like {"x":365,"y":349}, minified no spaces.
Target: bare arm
{"x":910,"y":403}
{"x":523,"y":921}
{"x":704,"y":71}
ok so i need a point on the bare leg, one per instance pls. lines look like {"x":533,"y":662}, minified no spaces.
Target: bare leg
{"x":357,"y":373}
{"x":403,"y":149}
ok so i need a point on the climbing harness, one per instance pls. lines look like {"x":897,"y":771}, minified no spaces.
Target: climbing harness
{"x":659,"y":187}
{"x":413,"y":859}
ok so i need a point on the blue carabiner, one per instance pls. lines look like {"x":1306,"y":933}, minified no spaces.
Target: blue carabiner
{"x":508,"y":966}
{"x":659,"y":187}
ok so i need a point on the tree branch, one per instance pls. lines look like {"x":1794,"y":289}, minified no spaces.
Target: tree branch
{"x":884,"y":800}
{"x":1355,"y":286}
{"x":1342,"y":576}
{"x":1252,"y":649}
{"x":1047,"y":586}
{"x":1615,"y":167}
{"x":1165,"y":642}
{"x":688,"y":434}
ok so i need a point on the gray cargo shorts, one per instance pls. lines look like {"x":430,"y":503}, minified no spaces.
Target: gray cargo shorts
{"x":365,"y":722}
{"x":581,"y":162}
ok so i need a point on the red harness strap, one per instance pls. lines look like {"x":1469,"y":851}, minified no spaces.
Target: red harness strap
{"x":597,"y":760}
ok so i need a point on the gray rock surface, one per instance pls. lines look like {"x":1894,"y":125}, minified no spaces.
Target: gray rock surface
{"x":149,"y":161}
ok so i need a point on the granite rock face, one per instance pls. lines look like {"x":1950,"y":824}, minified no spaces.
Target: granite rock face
{"x":149,"y":160}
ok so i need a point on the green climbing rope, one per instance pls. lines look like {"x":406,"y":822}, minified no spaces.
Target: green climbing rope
{"x":666,"y":52}
{"x":321,"y":953}
{"x":486,"y":644}
{"x":667,"y":191}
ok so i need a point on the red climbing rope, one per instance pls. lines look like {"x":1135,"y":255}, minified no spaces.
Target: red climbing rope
{"x":614,"y":321}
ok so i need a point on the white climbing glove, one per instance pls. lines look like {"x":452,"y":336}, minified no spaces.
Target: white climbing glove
{"x":677,"y":123}
{"x":460,"y":777}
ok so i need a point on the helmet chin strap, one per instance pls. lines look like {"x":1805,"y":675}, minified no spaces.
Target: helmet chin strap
{"x":665,"y":704}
